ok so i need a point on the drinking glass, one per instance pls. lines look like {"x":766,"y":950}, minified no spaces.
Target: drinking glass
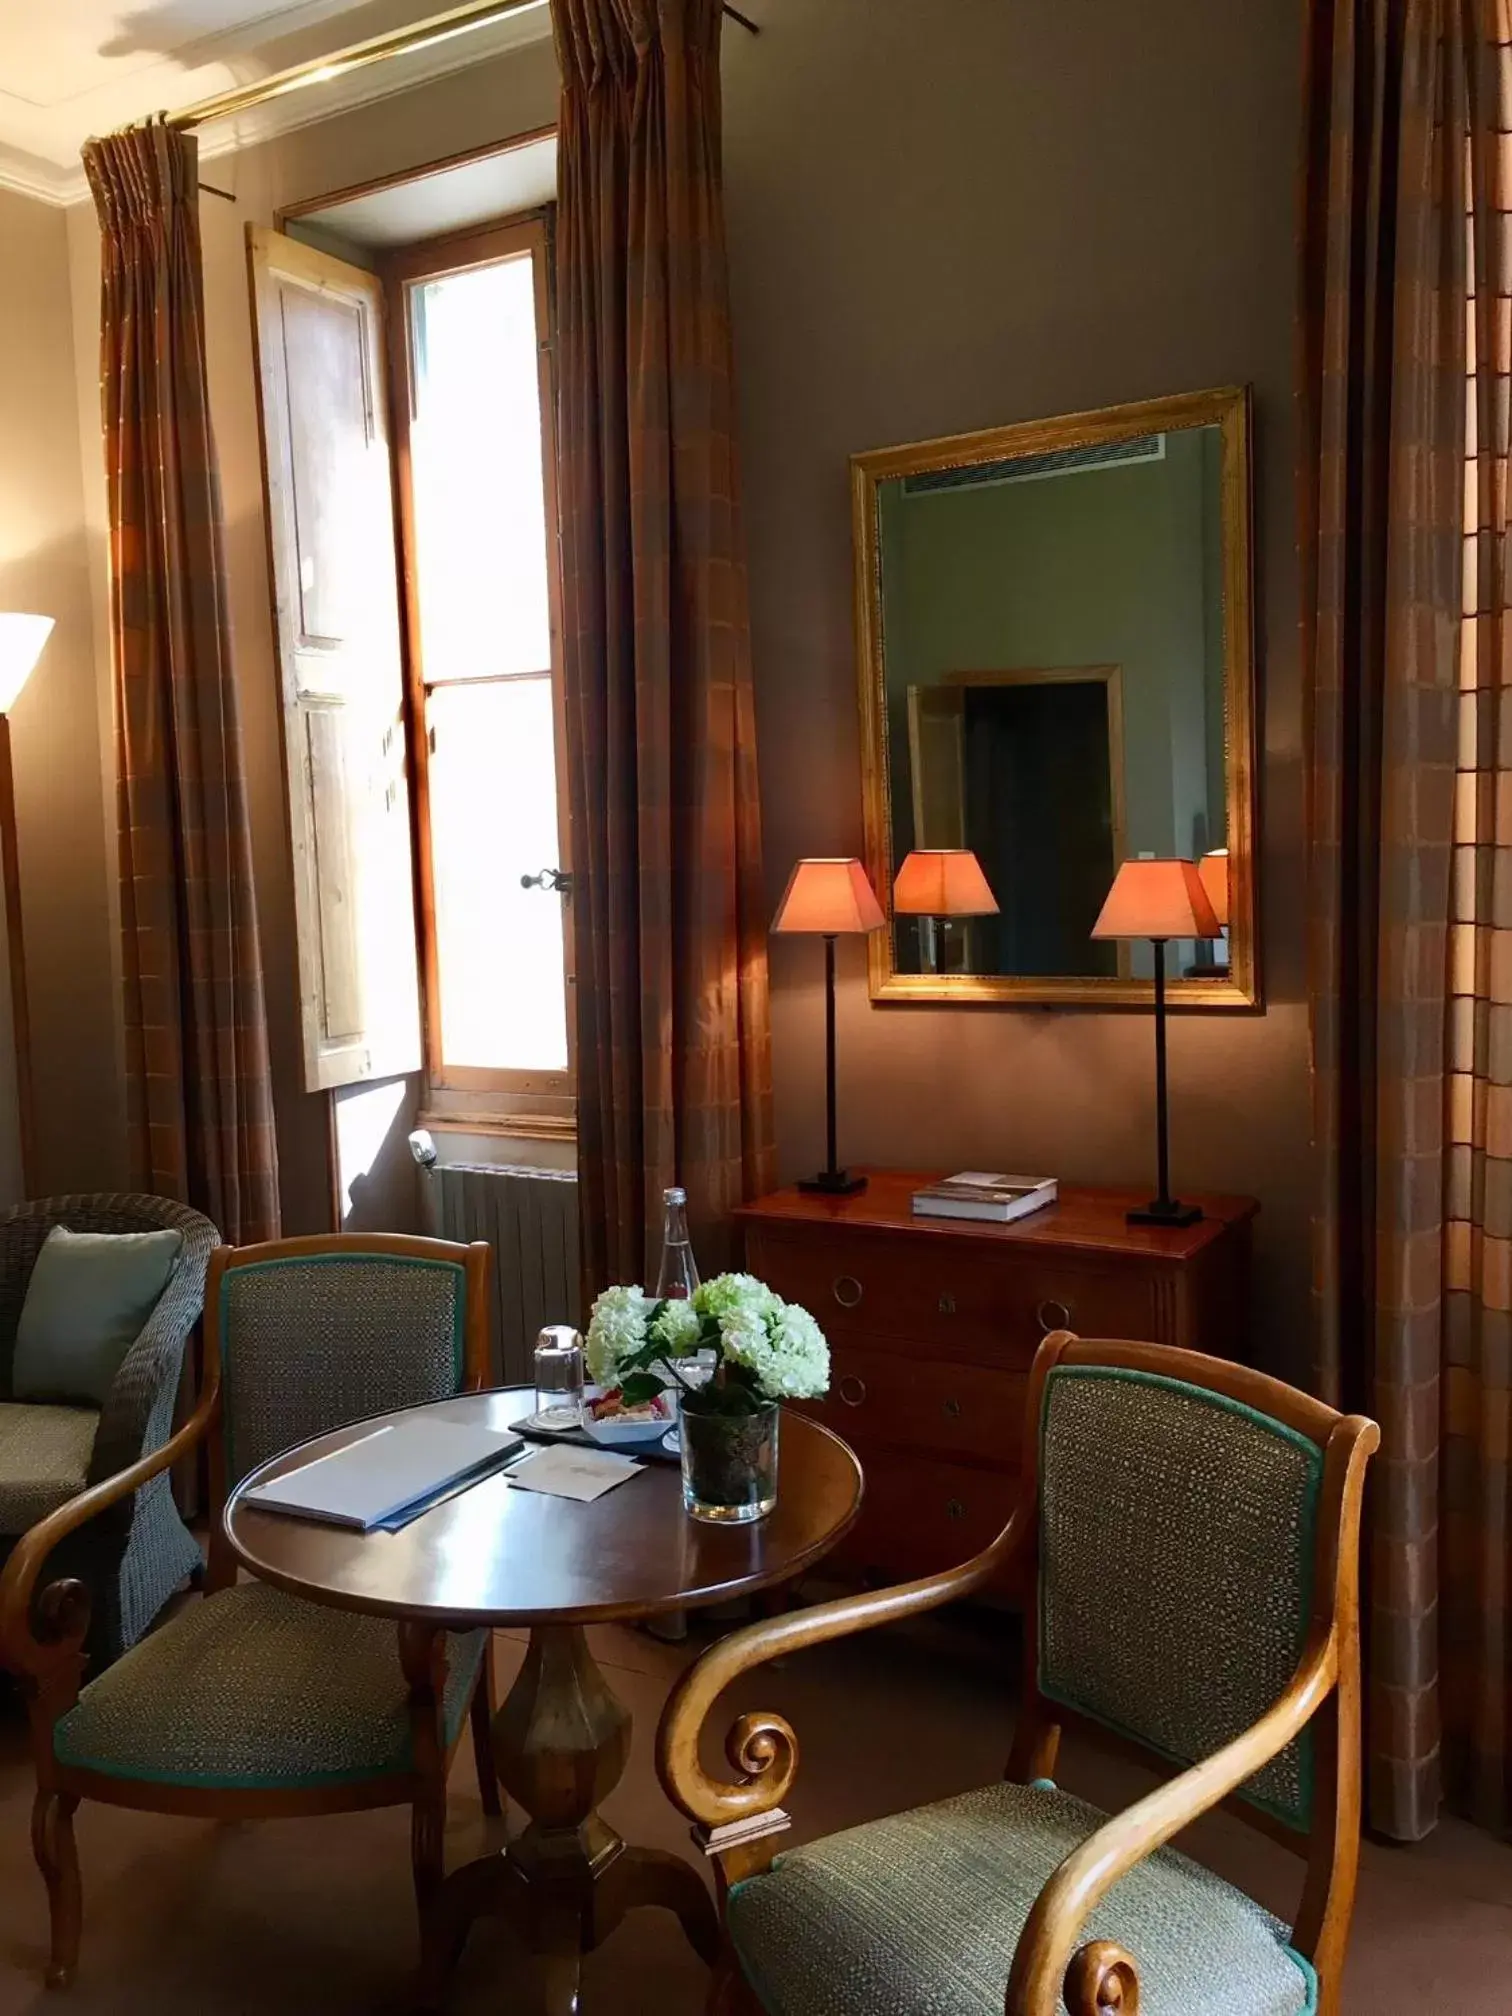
{"x":559,"y":1377}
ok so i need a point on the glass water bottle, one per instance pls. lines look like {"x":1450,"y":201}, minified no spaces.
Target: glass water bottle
{"x":678,"y":1275}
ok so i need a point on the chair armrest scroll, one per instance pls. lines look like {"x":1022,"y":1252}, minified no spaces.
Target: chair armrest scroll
{"x":1047,"y":1946}
{"x":763,"y":1749}
{"x":20,"y":1641}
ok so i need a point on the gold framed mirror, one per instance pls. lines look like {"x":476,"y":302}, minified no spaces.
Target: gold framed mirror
{"x":1056,"y":667}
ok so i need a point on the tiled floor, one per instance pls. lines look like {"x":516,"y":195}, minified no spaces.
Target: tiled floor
{"x":184,"y":1918}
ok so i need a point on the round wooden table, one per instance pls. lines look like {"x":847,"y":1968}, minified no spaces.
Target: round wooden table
{"x":498,"y":1555}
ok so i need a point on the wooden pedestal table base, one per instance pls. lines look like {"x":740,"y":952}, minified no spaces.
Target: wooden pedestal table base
{"x":495,"y":1556}
{"x":561,"y":1741}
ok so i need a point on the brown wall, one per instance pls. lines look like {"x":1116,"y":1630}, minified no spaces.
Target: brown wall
{"x":61,"y":801}
{"x":940,"y":218}
{"x":945,"y":218}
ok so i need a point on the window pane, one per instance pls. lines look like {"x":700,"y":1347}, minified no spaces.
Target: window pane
{"x":475,"y":471}
{"x":493,"y":818}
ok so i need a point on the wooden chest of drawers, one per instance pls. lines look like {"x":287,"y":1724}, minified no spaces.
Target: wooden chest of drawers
{"x":933,"y":1325}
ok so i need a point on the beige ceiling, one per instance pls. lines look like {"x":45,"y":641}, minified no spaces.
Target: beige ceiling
{"x":71,"y":68}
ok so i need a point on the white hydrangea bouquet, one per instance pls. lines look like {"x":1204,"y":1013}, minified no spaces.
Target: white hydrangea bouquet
{"x":764,"y":1349}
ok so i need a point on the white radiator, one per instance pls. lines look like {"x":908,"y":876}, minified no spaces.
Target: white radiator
{"x":530,"y":1218}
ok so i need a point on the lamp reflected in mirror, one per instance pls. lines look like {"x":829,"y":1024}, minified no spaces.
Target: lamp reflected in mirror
{"x":1212,"y":961}
{"x":938,"y":886}
{"x":1055,"y":678}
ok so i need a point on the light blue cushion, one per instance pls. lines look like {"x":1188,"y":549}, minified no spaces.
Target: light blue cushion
{"x":920,"y":1915}
{"x":89,"y":1295}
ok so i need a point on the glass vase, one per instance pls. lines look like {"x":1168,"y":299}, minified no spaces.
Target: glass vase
{"x":729,"y":1465}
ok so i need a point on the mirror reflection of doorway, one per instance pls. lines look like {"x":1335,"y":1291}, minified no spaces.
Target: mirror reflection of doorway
{"x":1026,"y":769}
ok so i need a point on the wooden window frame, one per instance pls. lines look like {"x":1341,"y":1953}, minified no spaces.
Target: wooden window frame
{"x":517,"y":1102}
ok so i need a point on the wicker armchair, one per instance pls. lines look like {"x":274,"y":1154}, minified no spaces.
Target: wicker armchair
{"x":132,"y":1558}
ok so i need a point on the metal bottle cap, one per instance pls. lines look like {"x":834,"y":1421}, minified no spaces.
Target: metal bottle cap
{"x":558,"y":1337}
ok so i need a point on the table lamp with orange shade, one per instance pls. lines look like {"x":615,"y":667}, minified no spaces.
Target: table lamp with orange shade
{"x":829,"y":898}
{"x":942,"y":883}
{"x":1159,"y":900}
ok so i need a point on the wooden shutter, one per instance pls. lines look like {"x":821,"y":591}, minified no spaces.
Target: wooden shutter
{"x":329,"y":481}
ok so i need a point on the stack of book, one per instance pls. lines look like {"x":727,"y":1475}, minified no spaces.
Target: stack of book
{"x":977,"y":1194}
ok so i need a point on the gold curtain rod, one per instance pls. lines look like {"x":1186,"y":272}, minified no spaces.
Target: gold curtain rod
{"x":398,"y":42}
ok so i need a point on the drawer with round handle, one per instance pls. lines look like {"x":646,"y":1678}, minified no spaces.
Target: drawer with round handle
{"x":920,"y":1516}
{"x":966,"y":1299}
{"x":934,"y":1405}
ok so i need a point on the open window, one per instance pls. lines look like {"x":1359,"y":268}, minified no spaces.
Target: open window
{"x":470,"y":335}
{"x":410,"y":458}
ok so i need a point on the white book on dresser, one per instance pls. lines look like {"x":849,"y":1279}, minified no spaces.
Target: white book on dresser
{"x":977,"y":1193}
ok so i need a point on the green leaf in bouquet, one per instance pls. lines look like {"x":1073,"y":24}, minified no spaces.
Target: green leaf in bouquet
{"x":639,"y":1387}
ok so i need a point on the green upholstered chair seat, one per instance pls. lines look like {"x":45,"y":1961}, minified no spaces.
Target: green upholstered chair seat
{"x":44,"y":1460}
{"x":919,"y":1915}
{"x":255,"y":1689}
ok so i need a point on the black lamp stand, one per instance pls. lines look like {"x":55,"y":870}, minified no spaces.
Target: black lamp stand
{"x":1163,"y":1209}
{"x":831,"y":1180}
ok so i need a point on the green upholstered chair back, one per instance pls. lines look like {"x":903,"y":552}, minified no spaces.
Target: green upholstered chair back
{"x":310,"y":1342}
{"x":1176,"y":1566}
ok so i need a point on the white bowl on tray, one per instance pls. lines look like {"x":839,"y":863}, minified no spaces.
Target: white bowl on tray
{"x":617,"y":1433}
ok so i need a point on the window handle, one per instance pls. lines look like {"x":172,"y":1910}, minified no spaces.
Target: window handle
{"x":559,"y":879}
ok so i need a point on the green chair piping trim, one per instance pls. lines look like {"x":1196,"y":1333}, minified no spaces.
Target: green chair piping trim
{"x":751,"y":1972}
{"x":459,"y":1314}
{"x":1309,"y":1974}
{"x":1298,"y":1818}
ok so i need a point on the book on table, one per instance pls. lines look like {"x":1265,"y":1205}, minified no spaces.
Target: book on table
{"x":396,"y":1467}
{"x":976,"y":1193}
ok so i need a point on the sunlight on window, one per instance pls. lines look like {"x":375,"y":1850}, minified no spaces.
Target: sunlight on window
{"x":479,"y":499}
{"x":494,"y":819}
{"x":480,"y":529}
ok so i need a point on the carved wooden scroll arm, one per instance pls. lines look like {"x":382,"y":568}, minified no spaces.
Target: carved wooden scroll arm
{"x":1102,"y":1977}
{"x":762,"y":1748}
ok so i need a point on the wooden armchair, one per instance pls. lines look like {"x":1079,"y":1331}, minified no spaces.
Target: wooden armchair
{"x":1190,"y":1532}
{"x":249,"y":1703}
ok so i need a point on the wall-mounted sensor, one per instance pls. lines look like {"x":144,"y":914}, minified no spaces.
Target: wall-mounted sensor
{"x":423,"y":1148}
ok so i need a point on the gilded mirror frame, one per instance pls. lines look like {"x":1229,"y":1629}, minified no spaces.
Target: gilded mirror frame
{"x":1228,"y":408}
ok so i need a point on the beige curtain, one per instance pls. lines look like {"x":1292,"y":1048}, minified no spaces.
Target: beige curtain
{"x":673,"y":1063}
{"x":200,"y":1107}
{"x":1402,"y":140}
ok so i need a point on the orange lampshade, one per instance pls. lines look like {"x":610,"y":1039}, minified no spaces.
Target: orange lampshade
{"x":1214,"y":870}
{"x":942,"y":882}
{"x":829,"y":896}
{"x":1157,"y":899}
